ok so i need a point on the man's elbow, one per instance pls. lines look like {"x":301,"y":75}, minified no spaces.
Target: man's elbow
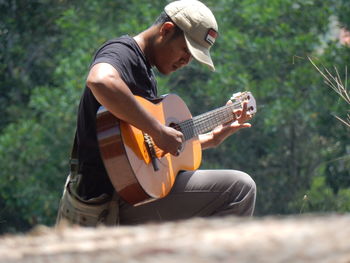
{"x":93,"y":81}
{"x":100,"y":75}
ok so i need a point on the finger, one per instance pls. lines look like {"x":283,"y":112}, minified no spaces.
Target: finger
{"x":161,"y":153}
{"x":176,"y":153}
{"x":182,"y":137}
{"x":179,"y":136}
{"x":244,"y":109}
{"x":236,"y":125}
{"x":241,"y":112}
{"x":246,"y":125}
{"x":245,"y":116}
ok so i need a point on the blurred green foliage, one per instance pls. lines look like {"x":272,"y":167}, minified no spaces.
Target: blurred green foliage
{"x":296,"y":148}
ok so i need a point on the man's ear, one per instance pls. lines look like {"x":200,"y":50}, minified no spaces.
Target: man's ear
{"x":167,"y":29}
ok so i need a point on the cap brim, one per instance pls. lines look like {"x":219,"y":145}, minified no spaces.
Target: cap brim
{"x":200,"y":53}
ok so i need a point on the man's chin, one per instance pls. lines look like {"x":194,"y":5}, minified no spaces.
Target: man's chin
{"x":165,"y":71}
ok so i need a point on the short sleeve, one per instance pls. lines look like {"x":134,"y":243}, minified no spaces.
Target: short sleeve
{"x":116,"y":54}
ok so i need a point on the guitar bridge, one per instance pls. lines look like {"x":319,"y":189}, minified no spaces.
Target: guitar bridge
{"x":151,"y":151}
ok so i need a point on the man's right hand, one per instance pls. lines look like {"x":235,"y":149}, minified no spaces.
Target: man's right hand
{"x":168,"y":139}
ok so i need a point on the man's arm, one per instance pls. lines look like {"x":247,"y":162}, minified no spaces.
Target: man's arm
{"x":113,"y":93}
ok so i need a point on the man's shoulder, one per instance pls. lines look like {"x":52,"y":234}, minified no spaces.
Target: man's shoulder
{"x":115,"y":50}
{"x":123,"y":41}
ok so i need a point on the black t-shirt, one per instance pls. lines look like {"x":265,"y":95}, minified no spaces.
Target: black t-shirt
{"x":127,"y":58}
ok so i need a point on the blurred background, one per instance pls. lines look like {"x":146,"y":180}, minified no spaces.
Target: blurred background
{"x":297,"y":151}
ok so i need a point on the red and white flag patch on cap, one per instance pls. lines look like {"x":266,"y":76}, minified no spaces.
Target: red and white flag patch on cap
{"x":211,"y":36}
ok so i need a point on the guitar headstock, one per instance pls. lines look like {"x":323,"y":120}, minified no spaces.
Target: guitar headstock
{"x":247,"y":96}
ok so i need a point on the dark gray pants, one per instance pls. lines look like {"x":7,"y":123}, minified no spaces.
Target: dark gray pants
{"x":198,"y":193}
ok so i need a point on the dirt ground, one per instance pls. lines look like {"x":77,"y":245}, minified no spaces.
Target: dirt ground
{"x":323,"y":238}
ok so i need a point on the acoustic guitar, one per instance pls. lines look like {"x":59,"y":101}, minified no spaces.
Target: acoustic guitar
{"x":135,"y":165}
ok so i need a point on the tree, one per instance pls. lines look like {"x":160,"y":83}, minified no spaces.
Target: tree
{"x":35,"y":142}
{"x":262,"y":47}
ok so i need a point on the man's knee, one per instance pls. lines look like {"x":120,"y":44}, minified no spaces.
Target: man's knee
{"x":248,"y":182}
{"x":243,"y":181}
{"x":244,"y":189}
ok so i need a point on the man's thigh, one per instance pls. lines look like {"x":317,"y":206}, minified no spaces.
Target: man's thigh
{"x":195,"y":193}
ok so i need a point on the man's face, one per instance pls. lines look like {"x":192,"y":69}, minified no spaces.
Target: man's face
{"x":172,"y":55}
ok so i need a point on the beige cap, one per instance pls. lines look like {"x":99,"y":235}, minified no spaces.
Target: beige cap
{"x":199,"y":26}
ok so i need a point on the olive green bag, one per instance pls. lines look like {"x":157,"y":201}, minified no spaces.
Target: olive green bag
{"x":101,"y":210}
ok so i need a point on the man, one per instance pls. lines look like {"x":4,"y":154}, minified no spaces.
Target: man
{"x":121,"y":69}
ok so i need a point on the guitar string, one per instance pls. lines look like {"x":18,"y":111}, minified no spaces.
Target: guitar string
{"x":210,"y":120}
{"x":203,"y":124}
{"x":214,"y":113}
{"x":207,"y":120}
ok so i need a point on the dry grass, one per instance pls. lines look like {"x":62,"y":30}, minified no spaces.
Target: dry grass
{"x":334,"y":81}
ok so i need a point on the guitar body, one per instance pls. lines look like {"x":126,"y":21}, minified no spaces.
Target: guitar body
{"x":128,"y":161}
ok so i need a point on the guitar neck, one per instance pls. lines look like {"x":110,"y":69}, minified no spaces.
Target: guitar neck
{"x":207,"y":121}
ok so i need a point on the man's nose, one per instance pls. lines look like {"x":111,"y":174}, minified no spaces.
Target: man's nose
{"x":187,"y":58}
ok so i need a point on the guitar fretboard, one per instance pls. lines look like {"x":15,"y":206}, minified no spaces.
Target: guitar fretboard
{"x":207,"y":121}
